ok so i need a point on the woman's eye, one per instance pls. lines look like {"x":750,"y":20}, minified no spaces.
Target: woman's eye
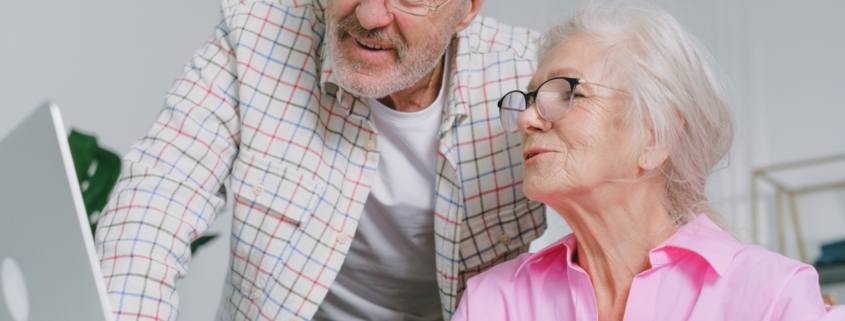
{"x":564,"y":96}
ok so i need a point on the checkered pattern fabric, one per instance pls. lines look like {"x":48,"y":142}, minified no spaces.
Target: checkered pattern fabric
{"x":257,"y":107}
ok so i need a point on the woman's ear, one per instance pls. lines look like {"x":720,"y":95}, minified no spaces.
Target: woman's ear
{"x":655,"y":155}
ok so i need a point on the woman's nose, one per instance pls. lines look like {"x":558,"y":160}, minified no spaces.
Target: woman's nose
{"x":374,"y":14}
{"x":529,"y":121}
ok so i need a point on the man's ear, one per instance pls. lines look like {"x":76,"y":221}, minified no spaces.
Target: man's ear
{"x":471,"y":10}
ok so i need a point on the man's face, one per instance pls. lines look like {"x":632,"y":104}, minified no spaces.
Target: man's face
{"x":377,"y":50}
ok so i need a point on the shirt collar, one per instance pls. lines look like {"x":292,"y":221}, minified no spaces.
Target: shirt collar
{"x":704,"y":238}
{"x":701,"y":237}
{"x":566,"y":245}
{"x":327,"y":76}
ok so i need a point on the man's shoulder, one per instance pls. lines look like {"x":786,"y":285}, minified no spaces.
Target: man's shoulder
{"x":488,"y":35}
{"x":284,"y":3}
{"x":231,"y":8}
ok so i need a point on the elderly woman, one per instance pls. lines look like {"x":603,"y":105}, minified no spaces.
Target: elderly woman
{"x":622,"y":123}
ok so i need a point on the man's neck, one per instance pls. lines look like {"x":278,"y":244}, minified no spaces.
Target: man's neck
{"x":420,"y":95}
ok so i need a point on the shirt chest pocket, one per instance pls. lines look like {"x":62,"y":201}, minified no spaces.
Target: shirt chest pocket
{"x":488,"y":236}
{"x":265,"y":187}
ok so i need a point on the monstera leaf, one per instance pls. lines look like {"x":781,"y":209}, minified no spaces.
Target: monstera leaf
{"x":98,"y":170}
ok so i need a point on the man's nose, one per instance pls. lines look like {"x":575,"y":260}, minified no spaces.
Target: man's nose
{"x":374,"y":14}
{"x":529,"y":121}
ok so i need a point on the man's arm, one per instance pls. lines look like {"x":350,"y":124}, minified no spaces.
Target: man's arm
{"x":170,"y":188}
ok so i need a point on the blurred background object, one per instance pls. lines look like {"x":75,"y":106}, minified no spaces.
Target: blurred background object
{"x":830,"y":299}
{"x":785,"y":187}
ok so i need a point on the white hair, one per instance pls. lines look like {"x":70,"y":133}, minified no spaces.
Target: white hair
{"x":669,"y":73}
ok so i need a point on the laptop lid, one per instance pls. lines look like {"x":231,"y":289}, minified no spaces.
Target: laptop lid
{"x":48,"y":265}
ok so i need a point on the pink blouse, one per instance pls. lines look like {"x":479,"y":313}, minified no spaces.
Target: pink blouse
{"x":700,"y":273}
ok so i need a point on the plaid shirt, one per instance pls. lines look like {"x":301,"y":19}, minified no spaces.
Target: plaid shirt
{"x":257,"y":107}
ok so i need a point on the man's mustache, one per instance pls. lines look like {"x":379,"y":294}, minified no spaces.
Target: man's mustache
{"x":350,"y":25}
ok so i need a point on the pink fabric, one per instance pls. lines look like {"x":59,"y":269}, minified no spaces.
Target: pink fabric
{"x":700,"y":273}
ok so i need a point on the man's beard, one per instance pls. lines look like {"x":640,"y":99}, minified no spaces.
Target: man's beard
{"x":412,"y":63}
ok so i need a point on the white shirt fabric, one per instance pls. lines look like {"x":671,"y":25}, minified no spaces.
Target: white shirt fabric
{"x":390,"y":273}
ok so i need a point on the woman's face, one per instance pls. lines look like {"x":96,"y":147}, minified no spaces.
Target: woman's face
{"x":590,"y":145}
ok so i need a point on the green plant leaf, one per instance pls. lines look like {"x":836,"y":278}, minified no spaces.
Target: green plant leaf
{"x":196,"y":244}
{"x":97,"y":170}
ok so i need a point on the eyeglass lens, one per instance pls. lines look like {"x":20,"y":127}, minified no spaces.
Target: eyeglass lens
{"x":553,"y":99}
{"x":413,"y":7}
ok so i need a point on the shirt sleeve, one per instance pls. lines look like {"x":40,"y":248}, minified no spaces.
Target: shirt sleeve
{"x":171,"y":185}
{"x":801,"y":299}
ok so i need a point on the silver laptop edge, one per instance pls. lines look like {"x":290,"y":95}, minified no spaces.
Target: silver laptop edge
{"x":81,"y":214}
{"x":44,"y":275}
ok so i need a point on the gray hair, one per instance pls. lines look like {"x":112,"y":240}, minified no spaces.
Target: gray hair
{"x":669,"y":73}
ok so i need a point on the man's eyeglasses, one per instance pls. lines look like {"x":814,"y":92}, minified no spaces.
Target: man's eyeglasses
{"x":553,"y":99}
{"x":419,"y":8}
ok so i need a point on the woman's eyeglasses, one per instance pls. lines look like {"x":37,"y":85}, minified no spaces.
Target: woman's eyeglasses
{"x":553,"y":99}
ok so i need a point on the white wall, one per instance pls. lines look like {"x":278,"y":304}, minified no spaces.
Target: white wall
{"x":108,"y":65}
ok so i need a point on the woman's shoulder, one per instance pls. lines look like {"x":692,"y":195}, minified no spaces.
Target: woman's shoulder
{"x":790,"y":286}
{"x":756,"y":259}
{"x":527,"y":268}
{"x":488,"y":295}
{"x":768,"y":275}
{"x":529,"y":287}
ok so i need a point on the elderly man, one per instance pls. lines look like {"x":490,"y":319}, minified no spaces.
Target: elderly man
{"x":361,"y":140}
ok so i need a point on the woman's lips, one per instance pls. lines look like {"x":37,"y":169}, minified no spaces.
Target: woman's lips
{"x":531,"y":153}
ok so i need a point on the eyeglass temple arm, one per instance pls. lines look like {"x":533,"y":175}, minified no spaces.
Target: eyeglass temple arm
{"x":433,"y":8}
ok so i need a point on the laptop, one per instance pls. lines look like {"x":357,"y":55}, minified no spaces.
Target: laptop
{"x":48,"y":265}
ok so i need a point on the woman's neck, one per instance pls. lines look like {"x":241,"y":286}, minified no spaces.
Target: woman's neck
{"x":616,"y":225}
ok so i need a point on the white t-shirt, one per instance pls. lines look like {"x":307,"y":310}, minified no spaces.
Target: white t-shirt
{"x":390,"y":273}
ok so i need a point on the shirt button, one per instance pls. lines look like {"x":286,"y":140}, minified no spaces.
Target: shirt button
{"x":342,"y":238}
{"x":506,"y":239}
{"x":370,"y":145}
{"x":258,"y":189}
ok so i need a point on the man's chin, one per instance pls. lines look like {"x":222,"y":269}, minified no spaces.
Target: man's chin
{"x":368,"y":91}
{"x":370,"y":84}
{"x":376,"y":79}
{"x":362,"y":85}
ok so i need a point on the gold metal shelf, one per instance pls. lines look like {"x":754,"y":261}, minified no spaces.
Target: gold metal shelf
{"x":783,"y":191}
